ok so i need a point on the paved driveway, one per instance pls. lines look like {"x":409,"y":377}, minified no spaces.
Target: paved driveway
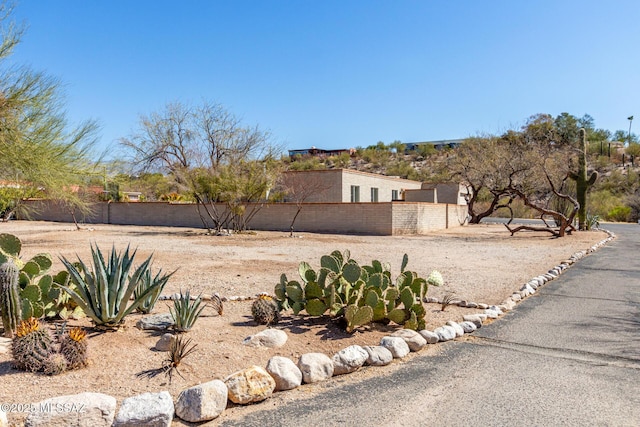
{"x":570,"y":355}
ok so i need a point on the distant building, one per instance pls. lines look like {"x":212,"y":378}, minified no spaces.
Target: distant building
{"x":438,"y":145}
{"x":319,"y":152}
{"x":346,"y":185}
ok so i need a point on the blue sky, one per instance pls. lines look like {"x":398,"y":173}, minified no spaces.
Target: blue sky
{"x":338,"y":74}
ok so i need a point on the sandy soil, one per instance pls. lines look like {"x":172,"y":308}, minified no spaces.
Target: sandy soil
{"x":479,"y":263}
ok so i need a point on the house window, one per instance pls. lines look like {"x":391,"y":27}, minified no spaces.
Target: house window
{"x":394,"y":194}
{"x":374,"y":194}
{"x":355,"y":193}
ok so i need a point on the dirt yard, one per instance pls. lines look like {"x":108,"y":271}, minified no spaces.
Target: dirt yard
{"x":479,"y":263}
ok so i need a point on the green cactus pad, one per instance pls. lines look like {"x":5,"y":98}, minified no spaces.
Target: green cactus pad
{"x":10,"y":246}
{"x":351,"y":272}
{"x":357,"y":316}
{"x":31,"y":269}
{"x":405,"y":261}
{"x":294,"y":291}
{"x":32,"y":293}
{"x":313,"y":290}
{"x":412,"y":322}
{"x":330,"y":263}
{"x":397,"y":315}
{"x":316,"y":307}
{"x":44,"y":261}
{"x":407,"y":297}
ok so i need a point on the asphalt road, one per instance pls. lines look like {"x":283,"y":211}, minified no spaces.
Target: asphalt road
{"x":569,"y":355}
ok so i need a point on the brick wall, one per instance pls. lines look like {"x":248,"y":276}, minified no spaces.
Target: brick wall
{"x":349,"y":218}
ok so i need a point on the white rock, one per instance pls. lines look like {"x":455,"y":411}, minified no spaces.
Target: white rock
{"x":482,"y":305}
{"x":250,"y":385}
{"x":4,"y":422}
{"x":429,"y":336}
{"x":146,"y":410}
{"x":456,"y":327}
{"x":378,"y":355}
{"x":476,"y":319}
{"x":203,"y":402}
{"x":445,"y":333}
{"x":414,"y":340}
{"x":270,"y":338}
{"x":468,"y":327}
{"x":315,"y":367}
{"x":492,"y":314}
{"x":349,"y":359}
{"x":164,"y":343}
{"x":285,"y":373}
{"x":84,"y":409}
{"x":396,"y":345}
{"x":516,"y":297}
{"x":471,"y":304}
{"x":5,"y":345}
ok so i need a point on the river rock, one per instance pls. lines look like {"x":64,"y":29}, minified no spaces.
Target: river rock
{"x":468,"y":327}
{"x":84,"y":409}
{"x":349,"y":359}
{"x":429,"y":336}
{"x":285,"y":373}
{"x":414,"y":340}
{"x":146,"y":410}
{"x":202,"y":402}
{"x":315,"y":367}
{"x":270,"y":338}
{"x":396,"y":345}
{"x":459,"y":330}
{"x":253,"y":384}
{"x":378,"y":355}
{"x":164,"y":343}
{"x":445,"y":333}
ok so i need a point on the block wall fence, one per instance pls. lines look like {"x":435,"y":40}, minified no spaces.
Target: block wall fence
{"x":390,"y":218}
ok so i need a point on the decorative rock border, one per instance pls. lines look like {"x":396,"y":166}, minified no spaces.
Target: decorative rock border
{"x":207,"y":401}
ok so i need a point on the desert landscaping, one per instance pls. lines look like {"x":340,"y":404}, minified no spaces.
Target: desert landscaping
{"x":480,"y":263}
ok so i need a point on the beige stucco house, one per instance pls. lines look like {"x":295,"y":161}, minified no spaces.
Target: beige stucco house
{"x":346,"y":185}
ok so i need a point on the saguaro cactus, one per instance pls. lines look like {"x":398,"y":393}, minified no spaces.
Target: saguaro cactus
{"x":10,"y":304}
{"x":582,"y":183}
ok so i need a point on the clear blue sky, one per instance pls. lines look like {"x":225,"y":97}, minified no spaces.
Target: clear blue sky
{"x":338,"y":74}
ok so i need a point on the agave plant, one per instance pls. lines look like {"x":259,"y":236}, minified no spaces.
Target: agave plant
{"x":147,"y":280}
{"x":104,"y":290}
{"x":185,"y":312}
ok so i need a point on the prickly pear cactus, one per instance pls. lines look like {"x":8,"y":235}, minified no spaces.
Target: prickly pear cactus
{"x":10,"y":304}
{"x":582,"y":182}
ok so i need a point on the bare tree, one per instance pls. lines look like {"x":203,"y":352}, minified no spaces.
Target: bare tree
{"x":298,"y":191}
{"x":210,"y":154}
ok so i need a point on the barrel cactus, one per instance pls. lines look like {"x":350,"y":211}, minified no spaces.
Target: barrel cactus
{"x":73,"y":347}
{"x":265,"y":310}
{"x":32,"y":346}
{"x":10,"y":304}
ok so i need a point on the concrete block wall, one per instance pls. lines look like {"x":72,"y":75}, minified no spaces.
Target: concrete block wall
{"x":366,"y":181}
{"x":349,"y":218}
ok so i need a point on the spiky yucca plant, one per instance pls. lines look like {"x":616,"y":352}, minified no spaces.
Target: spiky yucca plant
{"x":180,"y":348}
{"x":185,"y":312}
{"x":447,"y":300}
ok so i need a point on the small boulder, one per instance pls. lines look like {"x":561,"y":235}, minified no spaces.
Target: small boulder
{"x":445,"y":333}
{"x":5,"y":345}
{"x":429,"y":336}
{"x":84,"y":409}
{"x":414,"y":340}
{"x":203,"y":402}
{"x":315,"y":367}
{"x":475,"y":318}
{"x":4,"y":422}
{"x":459,"y":330}
{"x":349,"y":359}
{"x":155,"y":322}
{"x":285,"y":373}
{"x":270,"y":338}
{"x":146,"y":410}
{"x":396,"y":345}
{"x":468,"y":327}
{"x":164,"y":343}
{"x":253,"y":384}
{"x":378,"y":355}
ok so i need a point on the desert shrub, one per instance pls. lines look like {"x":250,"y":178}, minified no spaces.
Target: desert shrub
{"x":619,"y":214}
{"x":304,"y":164}
{"x":601,"y":202}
